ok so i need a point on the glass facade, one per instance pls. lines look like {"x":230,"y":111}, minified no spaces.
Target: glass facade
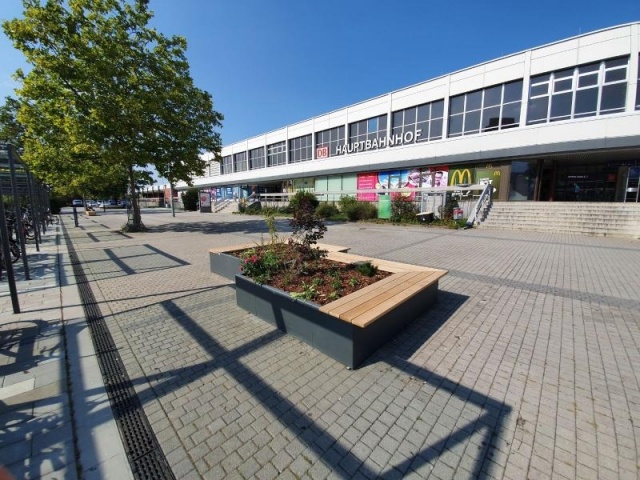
{"x":240,"y":162}
{"x":331,"y":138}
{"x":300,"y":149}
{"x":424,"y":122}
{"x":584,"y":91}
{"x":256,"y":158}
{"x":227,"y":165}
{"x":485,"y":110}
{"x":277,"y":154}
{"x":374,"y":128}
{"x":572,"y":93}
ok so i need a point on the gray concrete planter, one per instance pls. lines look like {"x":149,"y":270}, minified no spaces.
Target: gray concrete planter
{"x":336,"y":337}
{"x":225,"y":265}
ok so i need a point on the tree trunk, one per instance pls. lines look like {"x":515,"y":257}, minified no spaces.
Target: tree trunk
{"x":134,"y":220}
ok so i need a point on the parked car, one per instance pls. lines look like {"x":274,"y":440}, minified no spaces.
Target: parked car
{"x":77,"y":203}
{"x":113,"y":204}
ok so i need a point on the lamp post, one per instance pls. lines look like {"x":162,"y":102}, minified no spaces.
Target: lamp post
{"x":173,"y":207}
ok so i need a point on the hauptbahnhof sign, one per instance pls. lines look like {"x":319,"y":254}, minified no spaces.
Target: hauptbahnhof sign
{"x":364,"y":145}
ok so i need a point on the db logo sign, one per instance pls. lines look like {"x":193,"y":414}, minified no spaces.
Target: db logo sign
{"x":322,"y":152}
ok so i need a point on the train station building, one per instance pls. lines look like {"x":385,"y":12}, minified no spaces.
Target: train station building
{"x":559,"y":122}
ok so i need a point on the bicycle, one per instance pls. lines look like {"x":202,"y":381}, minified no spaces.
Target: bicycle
{"x":51,"y":219}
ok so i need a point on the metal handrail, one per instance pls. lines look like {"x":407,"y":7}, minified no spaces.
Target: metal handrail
{"x":482,"y":206}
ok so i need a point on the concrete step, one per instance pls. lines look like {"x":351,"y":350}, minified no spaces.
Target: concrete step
{"x":599,"y":219}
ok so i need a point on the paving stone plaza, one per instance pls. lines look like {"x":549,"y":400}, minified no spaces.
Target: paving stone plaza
{"x":528,"y":366}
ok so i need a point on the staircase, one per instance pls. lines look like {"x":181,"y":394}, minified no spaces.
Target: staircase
{"x":596,"y":219}
{"x":226,"y":206}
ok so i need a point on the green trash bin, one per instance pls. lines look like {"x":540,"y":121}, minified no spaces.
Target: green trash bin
{"x":384,"y":206}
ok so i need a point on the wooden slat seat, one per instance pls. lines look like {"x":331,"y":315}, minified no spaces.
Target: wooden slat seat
{"x":386,"y":265}
{"x":370,"y":303}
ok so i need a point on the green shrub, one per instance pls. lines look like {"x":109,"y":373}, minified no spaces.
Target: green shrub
{"x":367,"y":268}
{"x":346,"y":202}
{"x":55,"y":204}
{"x":190,"y":199}
{"x":303,"y":197}
{"x":362,"y":211}
{"x":254,"y":208}
{"x":403,"y":209}
{"x":326,"y":210}
{"x":356,"y":210}
{"x":260,"y":266}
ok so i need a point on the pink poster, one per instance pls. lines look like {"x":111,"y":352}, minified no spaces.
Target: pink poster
{"x":367,"y":181}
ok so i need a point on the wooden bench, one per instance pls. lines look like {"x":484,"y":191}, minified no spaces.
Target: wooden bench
{"x":386,"y":265}
{"x":91,"y":213}
{"x":370,"y":303}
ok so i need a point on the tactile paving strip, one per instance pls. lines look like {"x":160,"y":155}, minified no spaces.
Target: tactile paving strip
{"x":143,"y":451}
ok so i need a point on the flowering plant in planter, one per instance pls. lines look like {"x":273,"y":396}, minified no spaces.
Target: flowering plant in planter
{"x":298,"y":266}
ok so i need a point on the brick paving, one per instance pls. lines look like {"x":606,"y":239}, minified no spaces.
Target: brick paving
{"x":527,"y":367}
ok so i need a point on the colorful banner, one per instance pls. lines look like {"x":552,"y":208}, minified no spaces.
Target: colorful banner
{"x":205,"y":199}
{"x":490,"y":176}
{"x":367,"y":181}
{"x":440,"y":177}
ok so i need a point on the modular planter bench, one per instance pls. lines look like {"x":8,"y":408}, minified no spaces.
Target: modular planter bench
{"x":350,"y":328}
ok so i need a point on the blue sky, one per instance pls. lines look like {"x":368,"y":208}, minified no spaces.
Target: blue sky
{"x":270,"y":63}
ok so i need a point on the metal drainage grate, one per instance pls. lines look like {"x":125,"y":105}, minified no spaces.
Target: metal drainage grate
{"x":143,"y":450}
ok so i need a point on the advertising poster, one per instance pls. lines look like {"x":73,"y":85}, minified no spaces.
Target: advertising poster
{"x":395,"y":179}
{"x":489,"y":176}
{"x":426,"y":177}
{"x":205,"y":199}
{"x":412,"y":180}
{"x":367,"y":181}
{"x":440,"y":177}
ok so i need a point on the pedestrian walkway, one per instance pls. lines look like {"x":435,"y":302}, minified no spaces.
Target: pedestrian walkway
{"x":527,"y":367}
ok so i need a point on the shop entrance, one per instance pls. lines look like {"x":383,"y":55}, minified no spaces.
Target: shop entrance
{"x":632,"y":190}
{"x":584,"y":183}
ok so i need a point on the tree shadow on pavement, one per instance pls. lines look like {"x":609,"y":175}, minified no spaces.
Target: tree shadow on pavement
{"x":485,"y":419}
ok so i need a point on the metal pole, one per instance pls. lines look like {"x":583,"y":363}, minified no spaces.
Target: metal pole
{"x":173,"y":206}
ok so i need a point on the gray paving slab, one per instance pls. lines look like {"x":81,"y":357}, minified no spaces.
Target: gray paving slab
{"x":526,"y":367}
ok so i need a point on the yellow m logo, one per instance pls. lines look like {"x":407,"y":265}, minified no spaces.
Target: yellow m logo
{"x":461,"y":177}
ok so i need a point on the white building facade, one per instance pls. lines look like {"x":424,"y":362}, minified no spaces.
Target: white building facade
{"x":558,"y":122}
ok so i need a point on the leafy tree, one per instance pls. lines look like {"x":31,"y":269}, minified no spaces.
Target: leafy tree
{"x":108,"y":96}
{"x":10,"y":130}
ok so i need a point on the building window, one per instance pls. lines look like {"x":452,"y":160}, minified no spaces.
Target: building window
{"x":240,"y":162}
{"x":332,"y":139}
{"x":227,"y":165}
{"x":256,"y":158}
{"x":371,"y":129}
{"x":300,"y":149}
{"x":276,"y":154}
{"x":213,"y":168}
{"x":419,"y":124}
{"x":584,"y":91}
{"x":486,"y":110}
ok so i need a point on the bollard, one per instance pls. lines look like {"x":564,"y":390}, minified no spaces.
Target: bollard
{"x":75,"y":216}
